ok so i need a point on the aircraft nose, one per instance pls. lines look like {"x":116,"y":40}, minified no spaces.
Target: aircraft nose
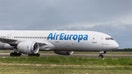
{"x":116,"y":45}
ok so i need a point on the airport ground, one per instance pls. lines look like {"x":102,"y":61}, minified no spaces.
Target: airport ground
{"x":78,"y":63}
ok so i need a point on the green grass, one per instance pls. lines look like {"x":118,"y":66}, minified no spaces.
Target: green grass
{"x":65,"y":65}
{"x":62,"y":60}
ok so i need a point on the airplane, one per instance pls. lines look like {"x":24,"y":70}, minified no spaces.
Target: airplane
{"x":30,"y":42}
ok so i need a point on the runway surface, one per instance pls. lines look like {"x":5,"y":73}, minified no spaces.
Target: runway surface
{"x":75,"y":55}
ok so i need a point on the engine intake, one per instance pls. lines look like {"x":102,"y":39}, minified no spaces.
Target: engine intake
{"x":28,"y":47}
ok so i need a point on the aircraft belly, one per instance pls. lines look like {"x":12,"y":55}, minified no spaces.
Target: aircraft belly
{"x":75,"y":46}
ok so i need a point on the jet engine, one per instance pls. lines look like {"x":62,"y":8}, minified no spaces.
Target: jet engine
{"x":28,"y":47}
{"x":64,"y":52}
{"x":5,"y":46}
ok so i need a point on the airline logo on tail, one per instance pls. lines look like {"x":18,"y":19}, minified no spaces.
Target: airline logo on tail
{"x":64,"y":36}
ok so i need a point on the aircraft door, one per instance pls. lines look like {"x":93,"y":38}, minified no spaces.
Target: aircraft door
{"x":95,"y":39}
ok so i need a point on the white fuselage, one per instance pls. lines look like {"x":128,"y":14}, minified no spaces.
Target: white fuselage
{"x":63,"y":40}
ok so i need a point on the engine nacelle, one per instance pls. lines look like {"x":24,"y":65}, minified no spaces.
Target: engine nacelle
{"x":28,"y":47}
{"x":5,"y":46}
{"x":64,"y":52}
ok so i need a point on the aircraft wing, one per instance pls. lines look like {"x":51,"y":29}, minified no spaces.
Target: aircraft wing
{"x":9,"y":41}
{"x":13,"y":41}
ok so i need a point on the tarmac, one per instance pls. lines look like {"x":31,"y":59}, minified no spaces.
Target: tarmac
{"x":94,"y":55}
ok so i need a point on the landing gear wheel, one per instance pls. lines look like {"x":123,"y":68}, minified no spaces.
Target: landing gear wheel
{"x":15,"y":54}
{"x":101,"y":56}
{"x":37,"y":55}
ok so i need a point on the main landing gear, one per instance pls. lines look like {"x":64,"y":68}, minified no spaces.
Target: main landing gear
{"x":101,"y":54}
{"x":15,"y":54}
{"x":18,"y":54}
{"x":37,"y":55}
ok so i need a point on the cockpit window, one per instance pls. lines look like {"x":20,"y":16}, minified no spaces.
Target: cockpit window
{"x":109,"y":39}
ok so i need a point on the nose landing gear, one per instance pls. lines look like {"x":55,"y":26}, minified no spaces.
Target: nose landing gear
{"x":101,"y":54}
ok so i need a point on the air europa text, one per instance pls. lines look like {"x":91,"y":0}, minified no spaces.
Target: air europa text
{"x":64,"y":36}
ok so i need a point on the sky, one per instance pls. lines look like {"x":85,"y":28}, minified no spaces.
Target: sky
{"x":113,"y":17}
